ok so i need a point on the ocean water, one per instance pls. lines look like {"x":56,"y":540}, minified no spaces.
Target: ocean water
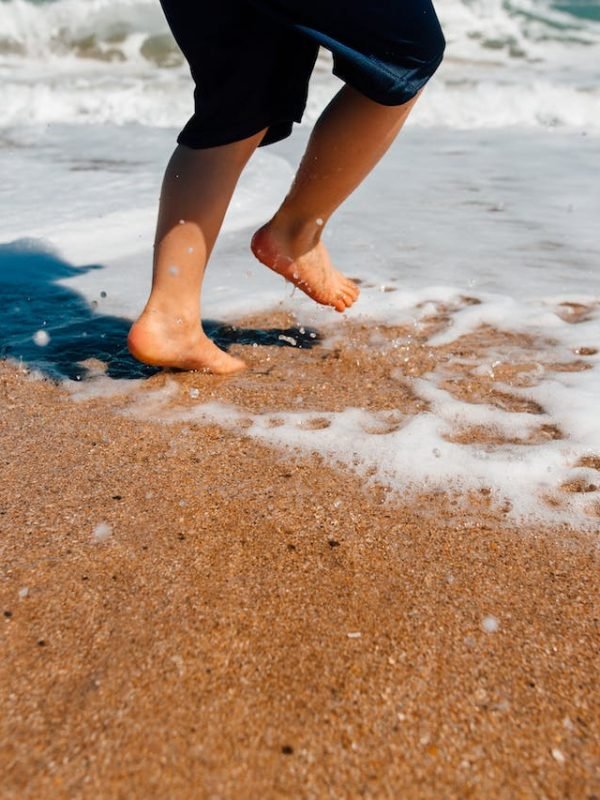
{"x":490,"y":193}
{"x":509,"y":62}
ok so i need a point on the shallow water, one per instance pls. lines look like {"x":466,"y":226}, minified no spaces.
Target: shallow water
{"x":482,"y":218}
{"x":474,"y":230}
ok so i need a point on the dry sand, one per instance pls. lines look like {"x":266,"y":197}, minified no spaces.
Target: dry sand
{"x":189,"y":614}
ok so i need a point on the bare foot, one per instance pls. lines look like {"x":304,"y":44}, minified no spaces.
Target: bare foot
{"x":310,"y":270}
{"x":164,"y":341}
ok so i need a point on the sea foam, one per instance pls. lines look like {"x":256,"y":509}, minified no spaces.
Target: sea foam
{"x":508,"y":62}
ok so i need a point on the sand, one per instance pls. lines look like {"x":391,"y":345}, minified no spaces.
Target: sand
{"x":190,"y":614}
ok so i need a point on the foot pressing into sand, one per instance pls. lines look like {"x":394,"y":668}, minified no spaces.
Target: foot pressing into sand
{"x":306,"y":264}
{"x":167,"y":340}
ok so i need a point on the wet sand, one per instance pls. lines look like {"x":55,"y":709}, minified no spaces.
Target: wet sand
{"x":190,"y":614}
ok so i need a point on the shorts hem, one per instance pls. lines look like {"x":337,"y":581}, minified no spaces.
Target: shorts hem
{"x":278,"y":126}
{"x":392,"y":95}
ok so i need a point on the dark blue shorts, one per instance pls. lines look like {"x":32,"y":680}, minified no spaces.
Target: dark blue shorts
{"x":251,"y":60}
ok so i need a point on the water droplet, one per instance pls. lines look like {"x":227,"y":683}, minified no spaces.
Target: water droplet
{"x":490,"y":624}
{"x":101,"y":532}
{"x":41,"y":338}
{"x":289,"y":339}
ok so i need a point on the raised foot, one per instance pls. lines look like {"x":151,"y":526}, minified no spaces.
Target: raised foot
{"x":311,"y":271}
{"x":159,"y":340}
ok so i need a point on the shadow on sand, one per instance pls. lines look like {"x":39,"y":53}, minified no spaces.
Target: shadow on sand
{"x":33,"y":300}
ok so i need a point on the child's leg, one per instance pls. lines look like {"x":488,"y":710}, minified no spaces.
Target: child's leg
{"x":348,"y":140}
{"x":196,"y":191}
{"x":351,"y":136}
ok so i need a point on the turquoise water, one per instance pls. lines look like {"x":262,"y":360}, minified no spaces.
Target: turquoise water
{"x":584,"y":9}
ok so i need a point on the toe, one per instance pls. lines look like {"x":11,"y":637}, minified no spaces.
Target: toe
{"x":353,"y":289}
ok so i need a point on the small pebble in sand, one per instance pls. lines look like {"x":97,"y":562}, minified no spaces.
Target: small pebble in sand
{"x":558,"y":755}
{"x":41,"y":338}
{"x":23,"y":592}
{"x":490,"y":624}
{"x":194,"y":393}
{"x":354,"y":635}
{"x":101,"y":532}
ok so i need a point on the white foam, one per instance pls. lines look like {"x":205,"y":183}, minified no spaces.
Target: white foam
{"x":416,"y":452}
{"x":511,"y":62}
{"x":494,"y":228}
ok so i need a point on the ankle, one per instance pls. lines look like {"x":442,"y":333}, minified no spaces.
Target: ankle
{"x":165,"y":312}
{"x":304,"y":232}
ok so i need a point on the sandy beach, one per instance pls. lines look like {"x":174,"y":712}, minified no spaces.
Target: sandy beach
{"x":366,"y":567}
{"x":189,"y":613}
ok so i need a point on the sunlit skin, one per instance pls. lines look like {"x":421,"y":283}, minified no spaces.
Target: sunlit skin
{"x":348,"y":140}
